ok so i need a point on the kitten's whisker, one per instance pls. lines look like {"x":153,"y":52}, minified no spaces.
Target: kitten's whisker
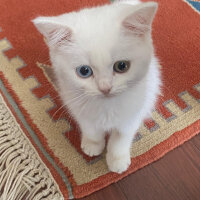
{"x":59,"y":117}
{"x":84,"y":105}
{"x":57,"y":111}
{"x":75,"y":99}
{"x":93,"y":94}
{"x":56,"y":97}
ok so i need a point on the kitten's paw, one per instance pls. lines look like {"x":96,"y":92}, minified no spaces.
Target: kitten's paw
{"x":118,"y":164}
{"x":92,"y":148}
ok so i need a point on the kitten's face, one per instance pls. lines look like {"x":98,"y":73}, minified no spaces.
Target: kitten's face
{"x":105,"y":56}
{"x":105,"y":71}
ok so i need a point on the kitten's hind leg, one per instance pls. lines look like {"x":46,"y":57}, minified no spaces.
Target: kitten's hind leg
{"x":92,"y":141}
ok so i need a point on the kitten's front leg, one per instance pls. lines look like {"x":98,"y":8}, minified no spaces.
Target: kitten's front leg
{"x":118,"y":151}
{"x":92,"y":141}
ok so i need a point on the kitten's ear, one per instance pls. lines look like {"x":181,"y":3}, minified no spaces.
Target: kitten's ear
{"x":55,"y":34}
{"x":140,"y":21}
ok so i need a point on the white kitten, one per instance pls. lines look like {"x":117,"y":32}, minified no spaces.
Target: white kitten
{"x":106,"y":71}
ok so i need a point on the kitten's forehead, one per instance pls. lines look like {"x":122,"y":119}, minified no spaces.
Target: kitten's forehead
{"x":100,"y":58}
{"x":99,"y":32}
{"x":97,"y":36}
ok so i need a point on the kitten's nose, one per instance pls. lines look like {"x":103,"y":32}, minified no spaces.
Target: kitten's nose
{"x":105,"y":87}
{"x":105,"y":90}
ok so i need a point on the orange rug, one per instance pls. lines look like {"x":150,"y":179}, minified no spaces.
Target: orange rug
{"x":40,"y":155}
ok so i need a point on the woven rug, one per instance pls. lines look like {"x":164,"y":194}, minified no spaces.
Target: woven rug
{"x":40,"y":155}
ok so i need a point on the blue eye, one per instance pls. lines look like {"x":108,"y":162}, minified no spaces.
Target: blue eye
{"x":84,"y":71}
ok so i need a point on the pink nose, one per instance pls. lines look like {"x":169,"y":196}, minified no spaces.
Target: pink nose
{"x":105,"y":90}
{"x":104,"y":86}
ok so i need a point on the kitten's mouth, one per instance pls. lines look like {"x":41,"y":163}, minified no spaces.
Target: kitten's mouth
{"x":109,"y":95}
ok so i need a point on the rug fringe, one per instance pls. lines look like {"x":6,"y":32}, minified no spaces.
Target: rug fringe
{"x":22,"y":175}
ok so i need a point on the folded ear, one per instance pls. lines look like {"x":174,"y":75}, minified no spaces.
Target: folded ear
{"x":140,"y":21}
{"x":54,"y":33}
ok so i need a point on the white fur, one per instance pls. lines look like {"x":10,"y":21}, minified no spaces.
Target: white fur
{"x":97,"y":37}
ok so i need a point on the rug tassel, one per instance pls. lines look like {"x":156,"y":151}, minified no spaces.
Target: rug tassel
{"x":22,"y":176}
